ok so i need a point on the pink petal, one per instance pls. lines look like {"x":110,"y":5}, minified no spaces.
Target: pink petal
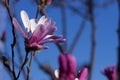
{"x":70,"y":76}
{"x":83,"y":74}
{"x":49,"y":27}
{"x":63,"y":63}
{"x":46,"y":31}
{"x":71,"y":61}
{"x":17,"y":26}
{"x":36,"y":35}
{"x":36,"y":46}
{"x":40,"y":32}
{"x":52,"y":40}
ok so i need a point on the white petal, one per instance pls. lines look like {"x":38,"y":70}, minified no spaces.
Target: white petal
{"x":42,"y":20}
{"x":33,"y":25}
{"x":48,"y":36}
{"x":25,"y":20}
{"x":76,"y":79}
{"x":56,"y":73}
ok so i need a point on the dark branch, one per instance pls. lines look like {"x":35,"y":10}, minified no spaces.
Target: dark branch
{"x":14,"y":38}
{"x":30,"y":63}
{"x":93,"y":39}
{"x":63,"y":22}
{"x":21,"y":68}
{"x":118,"y":32}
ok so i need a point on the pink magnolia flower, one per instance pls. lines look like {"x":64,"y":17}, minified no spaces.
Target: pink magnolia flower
{"x":67,"y":69}
{"x":111,"y":73}
{"x":38,"y":32}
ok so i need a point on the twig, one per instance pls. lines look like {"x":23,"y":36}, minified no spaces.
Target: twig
{"x":64,"y":26}
{"x":60,"y":47}
{"x":40,"y":9}
{"x":37,"y":12}
{"x":14,"y":39}
{"x":77,"y":11}
{"x":25,"y":61}
{"x":93,"y":39}
{"x":105,"y":4}
{"x":30,"y":63}
{"x":118,"y":32}
{"x":6,"y":63}
{"x":20,"y":54}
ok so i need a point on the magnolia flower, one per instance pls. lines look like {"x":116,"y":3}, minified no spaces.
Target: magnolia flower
{"x":67,"y":69}
{"x":38,"y":32}
{"x":111,"y":73}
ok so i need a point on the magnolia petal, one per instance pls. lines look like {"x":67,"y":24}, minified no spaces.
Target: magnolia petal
{"x":44,"y":32}
{"x":83,"y":74}
{"x":52,"y":40}
{"x":71,"y":61}
{"x":25,"y":20}
{"x":36,"y":35}
{"x":48,"y":23}
{"x":48,"y":36}
{"x":52,"y":23}
{"x":47,"y":28}
{"x":42,"y":20}
{"x":17,"y":26}
{"x":70,"y":76}
{"x":76,"y":79}
{"x":41,"y":32}
{"x":63,"y":63}
{"x":56,"y":72}
{"x":51,"y":30}
{"x":36,"y":46}
{"x":33,"y":25}
{"x":53,"y":36}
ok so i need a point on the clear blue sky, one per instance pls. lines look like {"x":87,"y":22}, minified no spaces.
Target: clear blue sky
{"x":106,"y":20}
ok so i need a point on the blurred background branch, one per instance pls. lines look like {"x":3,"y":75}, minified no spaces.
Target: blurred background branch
{"x":118,"y":32}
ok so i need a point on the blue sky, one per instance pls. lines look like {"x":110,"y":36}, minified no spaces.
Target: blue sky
{"x":106,"y":20}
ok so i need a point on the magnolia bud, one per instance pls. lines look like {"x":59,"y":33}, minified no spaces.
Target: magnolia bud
{"x":48,"y":1}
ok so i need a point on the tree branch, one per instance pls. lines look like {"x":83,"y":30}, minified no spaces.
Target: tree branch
{"x":118,"y":32}
{"x":14,"y":38}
